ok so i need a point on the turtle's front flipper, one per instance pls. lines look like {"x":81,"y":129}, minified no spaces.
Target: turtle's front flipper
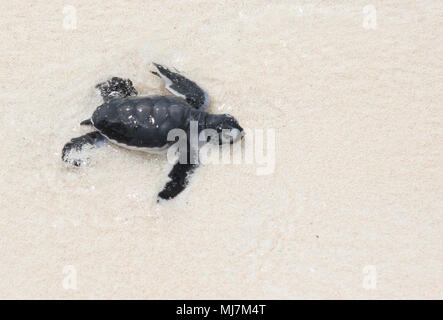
{"x":179,"y":180}
{"x":183,"y":87}
{"x":116,"y":88}
{"x":183,"y":168}
{"x":71,"y":150}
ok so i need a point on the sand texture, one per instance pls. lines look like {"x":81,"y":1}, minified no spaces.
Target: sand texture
{"x":353,"y":208}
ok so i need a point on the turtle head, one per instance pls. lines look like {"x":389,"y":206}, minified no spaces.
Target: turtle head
{"x":227,"y":127}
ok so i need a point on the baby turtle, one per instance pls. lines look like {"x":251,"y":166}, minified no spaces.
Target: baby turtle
{"x":143,"y":123}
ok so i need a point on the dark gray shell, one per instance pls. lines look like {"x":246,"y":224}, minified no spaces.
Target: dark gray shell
{"x":141,"y":122}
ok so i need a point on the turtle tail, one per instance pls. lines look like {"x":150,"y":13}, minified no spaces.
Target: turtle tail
{"x":86,"y":122}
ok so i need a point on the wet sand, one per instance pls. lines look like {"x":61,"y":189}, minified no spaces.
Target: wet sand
{"x":353,"y":208}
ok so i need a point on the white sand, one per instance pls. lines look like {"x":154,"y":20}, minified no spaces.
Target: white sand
{"x":358,"y":178}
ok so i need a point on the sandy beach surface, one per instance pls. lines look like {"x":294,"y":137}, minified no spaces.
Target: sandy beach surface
{"x":353,"y":208}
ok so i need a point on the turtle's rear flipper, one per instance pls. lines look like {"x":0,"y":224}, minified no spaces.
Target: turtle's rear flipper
{"x":182,"y":87}
{"x":116,"y":88}
{"x":72,"y":151}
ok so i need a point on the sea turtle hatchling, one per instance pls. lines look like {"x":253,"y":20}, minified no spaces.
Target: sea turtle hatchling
{"x":143,"y":123}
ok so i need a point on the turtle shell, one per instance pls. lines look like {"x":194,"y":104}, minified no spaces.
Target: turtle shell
{"x":141,"y":122}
